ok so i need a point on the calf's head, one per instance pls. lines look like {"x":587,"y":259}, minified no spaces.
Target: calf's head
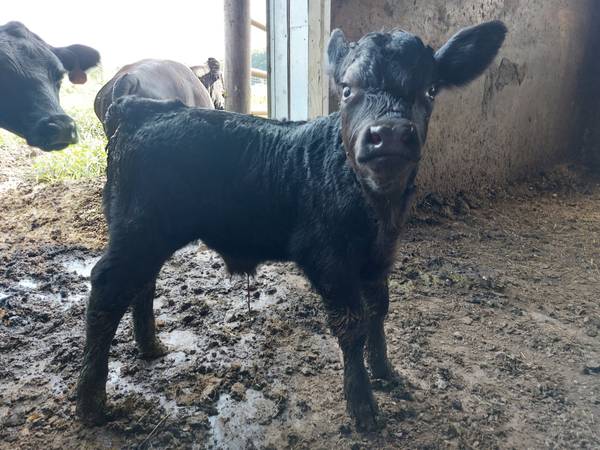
{"x":31,"y":72}
{"x":388,"y":83}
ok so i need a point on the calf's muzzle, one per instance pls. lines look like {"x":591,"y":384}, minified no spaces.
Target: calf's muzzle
{"x":389,"y":140}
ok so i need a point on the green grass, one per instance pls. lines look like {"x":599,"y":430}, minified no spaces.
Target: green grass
{"x":9,"y":140}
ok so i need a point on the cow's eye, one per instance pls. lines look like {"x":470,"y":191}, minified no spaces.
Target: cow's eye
{"x":346,"y":92}
{"x":431,"y":92}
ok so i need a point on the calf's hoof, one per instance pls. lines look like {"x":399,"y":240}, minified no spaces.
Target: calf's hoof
{"x":365,"y":417}
{"x":363,"y":409}
{"x":92,"y":412}
{"x":155,"y":350}
{"x":387,"y":380}
{"x":382,"y":369}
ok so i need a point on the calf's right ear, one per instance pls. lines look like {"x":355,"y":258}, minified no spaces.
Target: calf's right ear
{"x":337,"y":49}
{"x":468,"y":53}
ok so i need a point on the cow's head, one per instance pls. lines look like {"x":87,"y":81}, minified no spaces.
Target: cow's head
{"x":212,"y":78}
{"x":387,"y":84}
{"x":31,"y":72}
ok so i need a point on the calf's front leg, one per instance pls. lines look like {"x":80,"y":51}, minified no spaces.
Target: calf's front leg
{"x":376,"y":300}
{"x":349,"y":324}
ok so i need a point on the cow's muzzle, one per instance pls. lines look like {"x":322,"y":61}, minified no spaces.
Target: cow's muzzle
{"x":53,"y":133}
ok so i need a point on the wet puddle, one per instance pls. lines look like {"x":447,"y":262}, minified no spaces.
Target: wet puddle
{"x":180,"y":340}
{"x":241,"y":424}
{"x":263,"y":301}
{"x":32,"y":288}
{"x":181,"y":344}
{"x":79,"y":265}
{"x":72,"y":294}
{"x":29,"y":284}
{"x":117,"y":382}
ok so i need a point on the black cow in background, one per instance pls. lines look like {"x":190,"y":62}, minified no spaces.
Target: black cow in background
{"x":330,"y":194}
{"x":31,"y":72}
{"x":212,"y":78}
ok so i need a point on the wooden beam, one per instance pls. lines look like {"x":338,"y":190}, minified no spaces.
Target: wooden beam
{"x":259,"y":73}
{"x":237,"y":55}
{"x":319,"y":25}
{"x":257,"y":24}
{"x":278,"y":58}
{"x":298,"y":59}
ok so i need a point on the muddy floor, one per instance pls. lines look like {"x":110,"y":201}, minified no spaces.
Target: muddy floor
{"x":494,"y":322}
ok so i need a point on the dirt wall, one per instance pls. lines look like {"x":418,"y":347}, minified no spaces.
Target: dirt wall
{"x":530,"y":110}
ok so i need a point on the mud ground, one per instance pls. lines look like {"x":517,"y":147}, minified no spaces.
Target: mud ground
{"x":494,"y":322}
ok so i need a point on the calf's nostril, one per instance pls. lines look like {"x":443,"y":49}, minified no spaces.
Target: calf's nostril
{"x":374,"y":137}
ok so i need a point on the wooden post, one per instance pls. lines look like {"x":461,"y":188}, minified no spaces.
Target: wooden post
{"x":278,"y":58}
{"x":319,"y":24}
{"x":237,"y":55}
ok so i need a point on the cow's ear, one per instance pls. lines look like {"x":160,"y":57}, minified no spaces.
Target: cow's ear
{"x":337,"y":49}
{"x":468,"y":53}
{"x":77,"y":59}
{"x":16,"y":29}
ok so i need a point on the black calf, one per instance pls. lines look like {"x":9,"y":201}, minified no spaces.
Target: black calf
{"x":330,"y":194}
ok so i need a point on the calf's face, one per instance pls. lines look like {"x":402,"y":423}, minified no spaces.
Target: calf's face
{"x":31,"y":72}
{"x":387,"y":84}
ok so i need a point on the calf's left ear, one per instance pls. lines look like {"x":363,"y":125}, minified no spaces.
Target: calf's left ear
{"x":468,"y":53}
{"x":77,"y":59}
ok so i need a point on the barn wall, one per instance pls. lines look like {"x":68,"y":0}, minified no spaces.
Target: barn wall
{"x":529,"y":111}
{"x":590,"y":91}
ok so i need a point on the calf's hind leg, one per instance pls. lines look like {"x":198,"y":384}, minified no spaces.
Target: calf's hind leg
{"x":116,"y":281}
{"x":144,"y":326}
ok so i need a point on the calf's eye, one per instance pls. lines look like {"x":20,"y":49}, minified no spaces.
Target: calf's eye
{"x":346,"y":92}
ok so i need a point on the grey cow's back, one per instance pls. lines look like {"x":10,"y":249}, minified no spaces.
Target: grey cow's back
{"x":153,"y":79}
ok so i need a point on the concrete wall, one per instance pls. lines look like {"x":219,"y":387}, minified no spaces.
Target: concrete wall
{"x":590,"y":91}
{"x":529,"y":111}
